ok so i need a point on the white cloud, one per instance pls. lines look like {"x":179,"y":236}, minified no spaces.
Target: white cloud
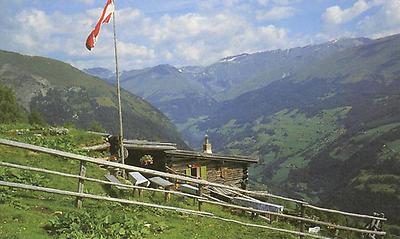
{"x":286,"y":2}
{"x":201,"y":39}
{"x":385,"y":22}
{"x":211,"y":4}
{"x":35,"y":29}
{"x":335,"y":15}
{"x":277,"y":2}
{"x":276,"y":13}
{"x":88,"y":2}
{"x":132,"y":50}
{"x":36,"y":32}
{"x":263,"y":2}
{"x":144,"y":40}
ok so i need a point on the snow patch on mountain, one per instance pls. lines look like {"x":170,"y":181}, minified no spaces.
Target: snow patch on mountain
{"x":234,"y":58}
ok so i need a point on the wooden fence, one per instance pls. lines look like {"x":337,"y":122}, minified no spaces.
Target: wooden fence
{"x":301,"y":216}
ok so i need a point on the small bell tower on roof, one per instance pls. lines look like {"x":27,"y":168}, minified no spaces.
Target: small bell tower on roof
{"x":207,"y":148}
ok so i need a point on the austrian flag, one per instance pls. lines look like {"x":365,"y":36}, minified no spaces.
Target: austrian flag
{"x":105,"y":18}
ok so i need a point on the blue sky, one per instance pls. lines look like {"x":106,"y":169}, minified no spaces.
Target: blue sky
{"x":186,"y":32}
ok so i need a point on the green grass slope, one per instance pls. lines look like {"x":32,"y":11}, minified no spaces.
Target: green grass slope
{"x":64,"y":94}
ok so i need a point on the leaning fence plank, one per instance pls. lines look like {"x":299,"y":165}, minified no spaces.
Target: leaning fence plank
{"x":344,"y":213}
{"x":96,"y":197}
{"x":95,"y":180}
{"x":269,"y":195}
{"x":381,"y":233}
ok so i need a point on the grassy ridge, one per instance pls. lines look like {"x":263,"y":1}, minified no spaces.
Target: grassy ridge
{"x":64,"y":94}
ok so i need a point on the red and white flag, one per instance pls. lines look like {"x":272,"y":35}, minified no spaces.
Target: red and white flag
{"x":105,"y":18}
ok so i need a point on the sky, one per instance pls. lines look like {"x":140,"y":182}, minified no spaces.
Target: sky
{"x":186,"y":32}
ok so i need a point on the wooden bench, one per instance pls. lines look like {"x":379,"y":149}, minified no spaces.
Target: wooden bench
{"x":114,"y":179}
{"x":138,"y":180}
{"x":158,"y":182}
{"x":190,"y":189}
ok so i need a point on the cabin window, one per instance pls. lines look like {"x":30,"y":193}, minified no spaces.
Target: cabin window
{"x":197,"y":171}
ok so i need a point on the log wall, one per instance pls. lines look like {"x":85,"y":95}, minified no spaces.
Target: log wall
{"x":228,"y":173}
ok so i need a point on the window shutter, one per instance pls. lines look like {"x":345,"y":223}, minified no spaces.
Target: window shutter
{"x":203,"y":172}
{"x":188,"y":172}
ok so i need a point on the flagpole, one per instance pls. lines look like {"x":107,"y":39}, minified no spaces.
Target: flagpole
{"x":121,"y":131}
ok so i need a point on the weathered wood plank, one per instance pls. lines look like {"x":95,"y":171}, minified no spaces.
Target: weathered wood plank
{"x":82,"y":173}
{"x":344,"y":213}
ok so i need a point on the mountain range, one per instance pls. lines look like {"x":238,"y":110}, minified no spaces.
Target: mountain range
{"x":323,"y":119}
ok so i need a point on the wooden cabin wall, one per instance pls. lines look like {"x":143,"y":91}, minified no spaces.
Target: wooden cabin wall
{"x":228,"y":173}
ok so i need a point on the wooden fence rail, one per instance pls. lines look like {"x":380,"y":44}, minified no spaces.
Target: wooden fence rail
{"x":179,"y":178}
{"x":97,"y":197}
{"x":345,"y":213}
{"x":124,"y":201}
{"x":97,"y":180}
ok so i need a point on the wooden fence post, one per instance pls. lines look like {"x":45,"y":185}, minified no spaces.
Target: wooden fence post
{"x":82,"y":173}
{"x":302,"y":214}
{"x":336,"y":234}
{"x":200,"y":194}
{"x":167,"y":196}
